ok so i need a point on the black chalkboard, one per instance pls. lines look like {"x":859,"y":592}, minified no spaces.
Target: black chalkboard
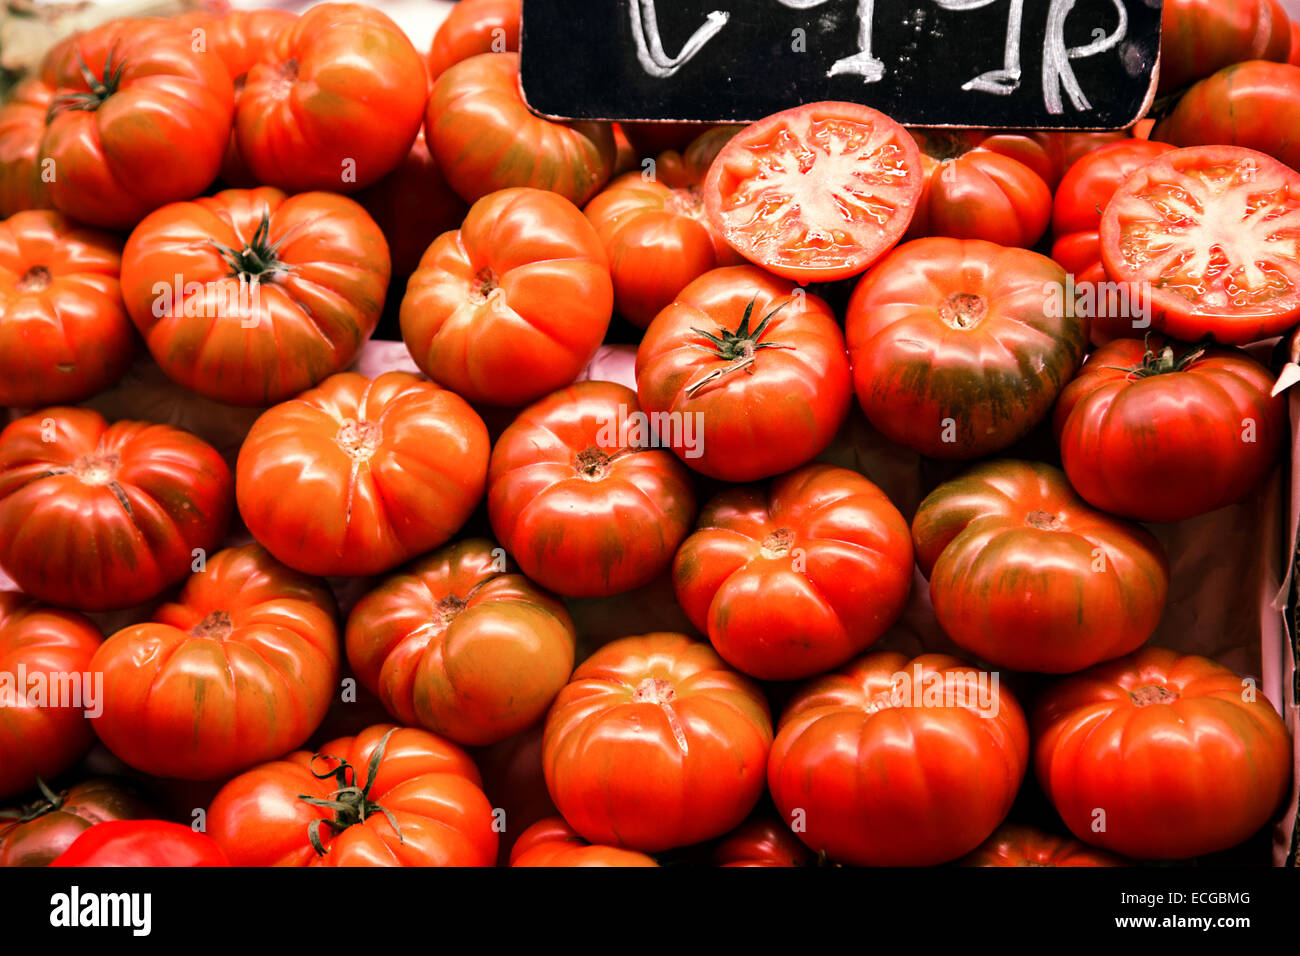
{"x":1074,"y":64}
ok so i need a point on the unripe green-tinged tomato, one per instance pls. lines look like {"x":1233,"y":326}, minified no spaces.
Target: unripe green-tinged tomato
{"x":34,"y":834}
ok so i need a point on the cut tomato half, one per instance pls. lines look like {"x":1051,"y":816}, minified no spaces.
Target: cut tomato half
{"x":1213,"y":234}
{"x":816,"y":193}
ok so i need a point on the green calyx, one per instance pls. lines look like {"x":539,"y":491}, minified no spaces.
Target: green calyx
{"x":351,"y":804}
{"x":259,"y":258}
{"x":739,"y":347}
{"x":48,"y":802}
{"x":99,"y":89}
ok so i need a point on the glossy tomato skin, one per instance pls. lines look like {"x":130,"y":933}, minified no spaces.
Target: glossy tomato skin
{"x":461,"y":647}
{"x":473,"y":27}
{"x":127,"y":503}
{"x":655,"y":744}
{"x":485,"y":139}
{"x":514,"y":304}
{"x":796,"y":580}
{"x":381,"y":470}
{"x":240,"y":669}
{"x":1236,"y":293}
{"x":959,"y":348}
{"x":1199,"y":37}
{"x":22,"y":123}
{"x":1048,"y":152}
{"x":1145,"y":436}
{"x":552,"y":842}
{"x":334,"y":104}
{"x":429,"y":785}
{"x":749,"y":421}
{"x":761,"y":841}
{"x":33,"y":835}
{"x":793,"y":158}
{"x":582,"y":499}
{"x":38,"y":739}
{"x":142,"y":843}
{"x":1181,"y":760}
{"x":1015,"y":845}
{"x":64,"y":333}
{"x":880,"y":774}
{"x":1026,"y":576}
{"x":234,"y":333}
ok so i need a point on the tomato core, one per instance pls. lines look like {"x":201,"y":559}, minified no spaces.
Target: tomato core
{"x":1044,"y":521}
{"x":592,"y":463}
{"x":448,"y":608}
{"x":34,"y":279}
{"x":963,"y":310}
{"x":1149,"y":694}
{"x":97,"y":469}
{"x":654,"y":690}
{"x":358,"y":439}
{"x":687,"y":202}
{"x":484,"y":283}
{"x":216,"y":626}
{"x":778,"y":543}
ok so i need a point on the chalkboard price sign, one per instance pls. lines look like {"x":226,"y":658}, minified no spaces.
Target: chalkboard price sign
{"x":1063,"y":64}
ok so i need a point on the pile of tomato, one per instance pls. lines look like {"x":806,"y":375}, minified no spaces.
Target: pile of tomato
{"x":363,"y":636}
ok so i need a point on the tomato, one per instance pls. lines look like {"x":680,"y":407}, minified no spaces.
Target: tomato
{"x":46,"y":691}
{"x":457,"y":645}
{"x":142,"y":843}
{"x":34,"y":834}
{"x":512,"y":306}
{"x":358,"y":475}
{"x":473,"y":27}
{"x":98,"y":516}
{"x":136,"y":119}
{"x":1181,"y":755}
{"x":1076,"y":222}
{"x":240,"y":669}
{"x":1048,"y":152}
{"x":898,"y":762}
{"x":515,"y":783}
{"x":761,"y":841}
{"x":389,"y":796}
{"x":1294,"y":58}
{"x":1025,"y":575}
{"x":656,"y":744}
{"x":1254,"y":105}
{"x":485,"y":138}
{"x":552,"y":842}
{"x":651,"y":137}
{"x":798,"y":579}
{"x":1015,"y":845}
{"x":583,"y":498}
{"x":816,"y":193}
{"x":971,"y":192}
{"x":1164,"y":227}
{"x":1199,"y":37}
{"x":334,"y":103}
{"x":22,"y":123}
{"x":251,"y":296}
{"x":654,"y":227}
{"x":959,"y":348}
{"x":752,"y":375}
{"x":64,"y":333}
{"x":1160,"y":434}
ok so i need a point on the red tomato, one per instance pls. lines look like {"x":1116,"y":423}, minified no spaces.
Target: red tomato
{"x":334,"y":103}
{"x":1151,"y":433}
{"x":473,"y":27}
{"x":650,"y":138}
{"x":959,"y":348}
{"x":1026,"y":576}
{"x":240,"y":669}
{"x":251,"y":296}
{"x":1199,"y":37}
{"x":458,"y":646}
{"x":581,"y":496}
{"x":1294,"y":58}
{"x":656,"y":744}
{"x":98,"y":516}
{"x":816,"y":193}
{"x":1235,"y":292}
{"x":1048,"y":152}
{"x":33,"y":835}
{"x":1161,"y":755}
{"x":358,"y":475}
{"x":142,"y":843}
{"x":748,"y":375}
{"x":653,"y":225}
{"x":485,"y":138}
{"x":761,"y":841}
{"x":389,"y":796}
{"x":796,"y":580}
{"x":1014,"y":845}
{"x":515,"y":783}
{"x":552,"y":842}
{"x":971,"y":192}
{"x":22,"y":124}
{"x":46,"y":690}
{"x":515,"y":304}
{"x":64,"y":333}
{"x":898,"y":762}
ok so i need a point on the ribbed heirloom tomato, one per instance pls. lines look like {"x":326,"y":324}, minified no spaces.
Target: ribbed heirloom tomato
{"x":98,"y":516}
{"x":898,"y":762}
{"x":796,"y":580}
{"x":251,"y":296}
{"x":1198,"y":37}
{"x":22,"y":123}
{"x":552,"y":842}
{"x":34,"y":834}
{"x":1025,"y":575}
{"x":1161,"y":755}
{"x":514,"y":304}
{"x":461,"y":647}
{"x":473,"y":27}
{"x":238,"y":670}
{"x":655,"y":744}
{"x":1015,"y":845}
{"x":142,"y":843}
{"x":761,"y":841}
{"x":381,"y":470}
